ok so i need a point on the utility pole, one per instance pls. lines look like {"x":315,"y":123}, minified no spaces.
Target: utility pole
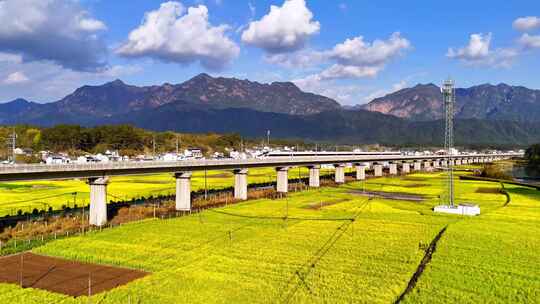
{"x":177,"y":144}
{"x":268,"y":137}
{"x":12,"y":144}
{"x":154,"y":146}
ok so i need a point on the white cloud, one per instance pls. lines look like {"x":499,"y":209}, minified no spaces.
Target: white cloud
{"x":298,"y":59}
{"x":283,"y":29}
{"x":252,"y":9}
{"x":383,"y":92}
{"x":357,"y":52}
{"x":53,"y":30}
{"x":120,"y":70}
{"x":91,"y":25}
{"x":15,"y":78}
{"x":10,"y":58}
{"x":355,"y":58}
{"x":530,"y":41}
{"x":478,"y":48}
{"x":527,"y":23}
{"x":48,"y":81}
{"x":338,"y":71}
{"x":478,"y":53}
{"x":344,"y":94}
{"x":171,"y":34}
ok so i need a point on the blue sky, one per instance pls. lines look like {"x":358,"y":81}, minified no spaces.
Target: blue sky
{"x":352,"y":51}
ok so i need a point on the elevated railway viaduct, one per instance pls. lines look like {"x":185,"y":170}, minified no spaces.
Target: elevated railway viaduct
{"x":98,"y":174}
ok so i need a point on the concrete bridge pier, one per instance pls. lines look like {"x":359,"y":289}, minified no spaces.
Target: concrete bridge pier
{"x":444,"y":163}
{"x":451,"y":162}
{"x":282,"y":179}
{"x":98,"y":200}
{"x":427,"y":165}
{"x":339,"y":173}
{"x":314,"y":176}
{"x":378,"y":169}
{"x":436,"y":163}
{"x":405,"y":167}
{"x":183,"y":191}
{"x":417,"y":166}
{"x":240,"y":184}
{"x":458,"y":162}
{"x":360,"y":172}
{"x":392,"y":168}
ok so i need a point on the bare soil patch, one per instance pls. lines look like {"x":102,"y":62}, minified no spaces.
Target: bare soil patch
{"x":488,"y":190}
{"x":415,"y":178}
{"x":319,"y":205}
{"x":391,"y":195}
{"x":418,"y":185}
{"x":63,"y":276}
{"x":220,"y":175}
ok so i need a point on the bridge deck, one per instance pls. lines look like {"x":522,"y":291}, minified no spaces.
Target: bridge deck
{"x":33,"y":172}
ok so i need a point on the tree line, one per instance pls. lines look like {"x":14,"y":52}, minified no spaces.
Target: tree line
{"x":127,"y":139}
{"x":532,"y":156}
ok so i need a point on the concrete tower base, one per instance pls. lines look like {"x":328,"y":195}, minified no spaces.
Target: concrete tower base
{"x":282,"y":179}
{"x":183,"y":191}
{"x":360,"y":172}
{"x":405,"y":168}
{"x":378,"y":170}
{"x":393,"y":169}
{"x":462,"y":209}
{"x":340,"y":174}
{"x":98,"y":201}
{"x":314,"y":176}
{"x":240,"y":184}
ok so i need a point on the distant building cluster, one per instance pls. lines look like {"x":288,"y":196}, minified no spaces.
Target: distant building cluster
{"x":51,"y":158}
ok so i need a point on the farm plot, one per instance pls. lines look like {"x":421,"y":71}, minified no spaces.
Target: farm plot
{"x":316,"y":246}
{"x":492,"y":258}
{"x":262,"y":251}
{"x":63,"y":276}
{"x":42,"y":195}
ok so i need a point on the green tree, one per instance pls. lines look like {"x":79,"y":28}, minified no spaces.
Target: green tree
{"x":532,"y":155}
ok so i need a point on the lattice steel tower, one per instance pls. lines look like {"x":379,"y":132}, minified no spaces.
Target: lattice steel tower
{"x":449,"y":99}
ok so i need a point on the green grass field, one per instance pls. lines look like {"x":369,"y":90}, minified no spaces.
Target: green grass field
{"x":26,"y":196}
{"x":247,"y":253}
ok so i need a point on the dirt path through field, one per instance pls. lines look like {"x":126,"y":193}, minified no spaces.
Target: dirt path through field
{"x":420,"y":269}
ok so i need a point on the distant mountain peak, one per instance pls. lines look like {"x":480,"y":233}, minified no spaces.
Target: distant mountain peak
{"x":484,"y":101}
{"x":20,"y":101}
{"x":426,"y":85}
{"x":116,"y":82}
{"x":202,"y":77}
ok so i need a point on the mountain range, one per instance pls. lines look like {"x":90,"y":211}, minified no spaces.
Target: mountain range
{"x":487,"y":114}
{"x":494,"y":102}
